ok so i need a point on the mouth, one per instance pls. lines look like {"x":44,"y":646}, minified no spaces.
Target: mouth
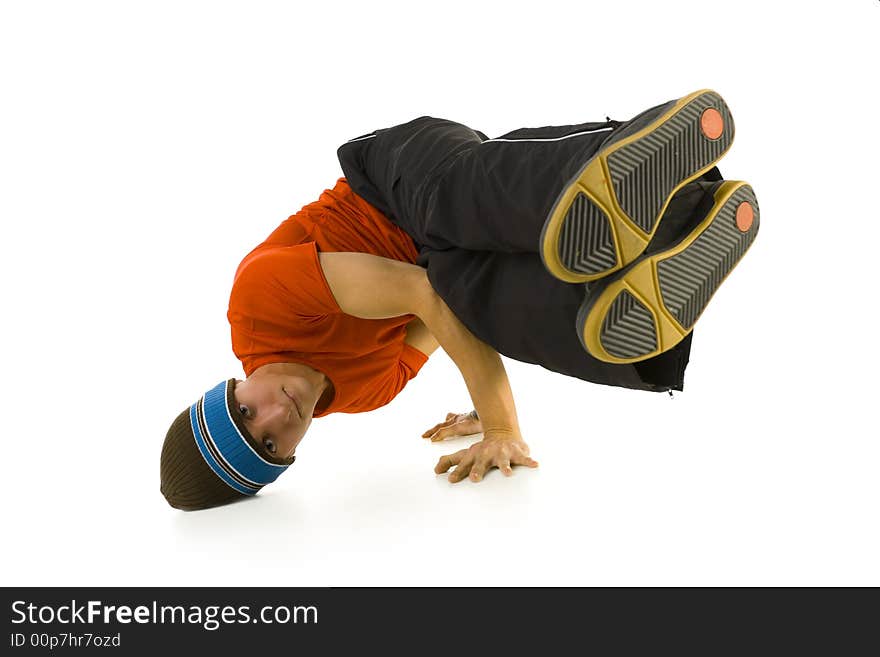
{"x":295,"y":403}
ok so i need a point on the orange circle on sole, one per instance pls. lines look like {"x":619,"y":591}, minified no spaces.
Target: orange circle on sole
{"x":712,"y":123}
{"x":745,"y":215}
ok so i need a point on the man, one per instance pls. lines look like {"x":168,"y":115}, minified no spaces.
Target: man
{"x":589,"y":249}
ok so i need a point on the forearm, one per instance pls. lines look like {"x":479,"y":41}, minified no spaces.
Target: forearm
{"x":479,"y":364}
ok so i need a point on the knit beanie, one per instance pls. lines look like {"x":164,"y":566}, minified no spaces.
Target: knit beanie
{"x":209,"y":458}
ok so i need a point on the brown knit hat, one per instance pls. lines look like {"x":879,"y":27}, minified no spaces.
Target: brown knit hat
{"x":236,"y":468}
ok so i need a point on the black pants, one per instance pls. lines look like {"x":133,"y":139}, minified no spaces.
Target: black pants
{"x":475,"y":208}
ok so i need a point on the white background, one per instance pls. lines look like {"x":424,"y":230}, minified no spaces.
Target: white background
{"x":147,"y":147}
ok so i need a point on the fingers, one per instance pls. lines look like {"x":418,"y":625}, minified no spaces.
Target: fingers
{"x":479,"y":468}
{"x":456,"y":425}
{"x":440,"y":434}
{"x":456,"y":429}
{"x":450,"y":419}
{"x":475,"y":469}
{"x":462,"y":460}
{"x":444,"y":433}
{"x":448,"y":460}
{"x":436,"y":429}
{"x":523,"y":459}
{"x":481,"y":457}
{"x":461,"y":472}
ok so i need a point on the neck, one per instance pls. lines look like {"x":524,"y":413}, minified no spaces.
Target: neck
{"x":296,"y":369}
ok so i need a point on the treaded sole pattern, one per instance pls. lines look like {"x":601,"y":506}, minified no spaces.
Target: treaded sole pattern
{"x":688,"y":280}
{"x":606,"y":216}
{"x":629,"y":329}
{"x":586,"y":243}
{"x":655,"y":303}
{"x":645,"y":172}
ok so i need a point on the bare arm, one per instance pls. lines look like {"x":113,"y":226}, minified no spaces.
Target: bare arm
{"x":372,"y":287}
{"x":480,"y":366}
{"x":418,"y":336}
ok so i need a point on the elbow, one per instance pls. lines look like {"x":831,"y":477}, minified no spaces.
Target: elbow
{"x":429,"y":302}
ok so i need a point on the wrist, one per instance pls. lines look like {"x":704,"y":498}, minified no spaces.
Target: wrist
{"x":501,"y":433}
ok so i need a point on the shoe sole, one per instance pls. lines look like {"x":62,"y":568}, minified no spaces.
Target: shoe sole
{"x":652,"y":305}
{"x":605,"y":217}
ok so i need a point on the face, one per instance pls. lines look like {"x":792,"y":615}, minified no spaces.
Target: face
{"x":276,"y":409}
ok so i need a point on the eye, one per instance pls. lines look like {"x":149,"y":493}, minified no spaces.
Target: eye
{"x":269,"y":444}
{"x":243,"y":410}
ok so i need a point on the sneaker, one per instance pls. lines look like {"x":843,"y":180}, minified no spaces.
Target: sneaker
{"x":609,"y":212}
{"x":651,"y":305}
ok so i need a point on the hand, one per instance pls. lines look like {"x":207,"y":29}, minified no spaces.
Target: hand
{"x":498,"y":449}
{"x":456,"y":424}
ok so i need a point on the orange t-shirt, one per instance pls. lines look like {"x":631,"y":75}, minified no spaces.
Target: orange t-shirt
{"x":281,"y":308}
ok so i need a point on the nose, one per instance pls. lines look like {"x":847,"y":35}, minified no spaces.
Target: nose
{"x":278,"y":417}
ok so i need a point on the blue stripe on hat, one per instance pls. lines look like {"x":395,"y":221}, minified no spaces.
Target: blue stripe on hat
{"x":225,"y":450}
{"x":209,"y":458}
